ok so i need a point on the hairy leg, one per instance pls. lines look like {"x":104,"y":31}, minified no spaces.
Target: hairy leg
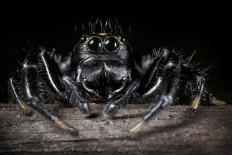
{"x":60,"y":84}
{"x":197,"y":80}
{"x":168,"y":80}
{"x":29,"y":94}
{"x":19,"y":99}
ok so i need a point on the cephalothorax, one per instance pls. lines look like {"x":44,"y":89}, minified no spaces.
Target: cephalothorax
{"x":100,"y":70}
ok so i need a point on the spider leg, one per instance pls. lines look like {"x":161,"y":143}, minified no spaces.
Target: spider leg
{"x":50,"y":72}
{"x":199,"y":91}
{"x":197,"y":79}
{"x":171,"y":76}
{"x":60,"y":85}
{"x":31,"y":93}
{"x":113,"y":106}
{"x":76,"y":98}
{"x":154,"y":77}
{"x":23,"y":105}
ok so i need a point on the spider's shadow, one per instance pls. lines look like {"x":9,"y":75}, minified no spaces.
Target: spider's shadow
{"x":185,"y":121}
{"x":169,"y":128}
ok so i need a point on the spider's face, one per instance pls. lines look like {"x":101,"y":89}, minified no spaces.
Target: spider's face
{"x":104,"y":47}
{"x":103,"y":64}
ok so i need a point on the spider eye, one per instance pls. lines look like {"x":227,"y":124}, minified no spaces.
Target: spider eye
{"x":83,"y":39}
{"x":94,"y":44}
{"x":111,"y":44}
{"x":122,"y":39}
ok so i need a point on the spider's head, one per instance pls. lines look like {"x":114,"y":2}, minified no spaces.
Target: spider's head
{"x":102,"y":41}
{"x":102,"y":58}
{"x":103,"y":38}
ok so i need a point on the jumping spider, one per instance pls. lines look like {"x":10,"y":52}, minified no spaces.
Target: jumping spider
{"x":100,"y":70}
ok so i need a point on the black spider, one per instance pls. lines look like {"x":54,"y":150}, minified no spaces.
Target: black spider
{"x":100,"y":69}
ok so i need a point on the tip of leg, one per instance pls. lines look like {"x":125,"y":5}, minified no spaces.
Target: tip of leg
{"x":218,"y":102}
{"x":106,"y":115}
{"x":28,"y":113}
{"x":88,"y":115}
{"x":74,"y":132}
{"x":66,"y":127}
{"x":138,"y":127}
{"x":110,"y":110}
{"x":195,"y":103}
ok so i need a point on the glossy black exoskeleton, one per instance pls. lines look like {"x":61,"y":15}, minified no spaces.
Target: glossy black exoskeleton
{"x":100,"y":70}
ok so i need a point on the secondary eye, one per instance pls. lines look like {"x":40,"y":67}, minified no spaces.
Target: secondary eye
{"x":94,"y":44}
{"x":111,"y":44}
{"x":83,"y":39}
{"x":122,"y":39}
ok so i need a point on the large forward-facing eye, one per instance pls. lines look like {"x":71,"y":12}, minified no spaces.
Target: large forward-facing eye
{"x":111,"y":44}
{"x":94,"y":44}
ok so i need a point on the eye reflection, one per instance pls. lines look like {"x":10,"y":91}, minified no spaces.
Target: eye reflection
{"x":94,"y":44}
{"x":111,"y":44}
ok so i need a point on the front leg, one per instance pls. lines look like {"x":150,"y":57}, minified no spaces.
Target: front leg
{"x":113,"y":106}
{"x":145,"y":86}
{"x":76,"y":98}
{"x":49,"y":71}
{"x":60,"y":84}
{"x":29,"y":94}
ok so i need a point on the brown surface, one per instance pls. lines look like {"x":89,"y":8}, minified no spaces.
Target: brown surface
{"x":175,"y":130}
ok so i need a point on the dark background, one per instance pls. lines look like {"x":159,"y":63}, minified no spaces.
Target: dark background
{"x":207,"y":31}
